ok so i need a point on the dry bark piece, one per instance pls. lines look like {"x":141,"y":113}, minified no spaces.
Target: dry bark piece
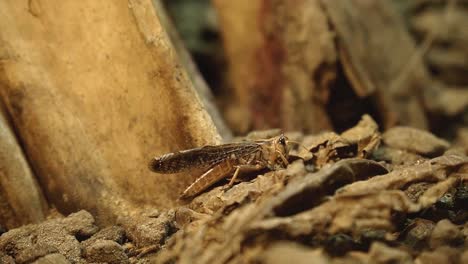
{"x":333,"y":150}
{"x":364,"y":29}
{"x":352,"y":215}
{"x":63,"y":94}
{"x":319,"y":147}
{"x":365,"y":135}
{"x":415,"y":140}
{"x":369,"y":204}
{"x":310,"y":190}
{"x":431,"y":170}
{"x":358,"y":141}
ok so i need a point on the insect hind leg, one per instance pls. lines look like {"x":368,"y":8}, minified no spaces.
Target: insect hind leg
{"x":208,"y":178}
{"x":234,"y":177}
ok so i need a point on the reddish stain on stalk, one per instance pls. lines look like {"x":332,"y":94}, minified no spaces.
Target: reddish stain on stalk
{"x":265,"y":104}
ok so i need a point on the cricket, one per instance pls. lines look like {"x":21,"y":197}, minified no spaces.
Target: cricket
{"x":221,"y":161}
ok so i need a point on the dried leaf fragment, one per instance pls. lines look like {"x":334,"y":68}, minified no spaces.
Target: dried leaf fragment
{"x":357,"y":141}
{"x":310,"y":190}
{"x":365,"y":134}
{"x":415,"y":140}
{"x":433,"y":170}
{"x":368,"y":204}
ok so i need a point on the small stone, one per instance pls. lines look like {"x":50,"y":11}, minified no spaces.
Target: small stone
{"x":114,"y":233}
{"x":5,"y":259}
{"x":80,"y":223}
{"x":183,"y":216}
{"x":147,"y":231}
{"x":35,"y":252}
{"x":52,"y":259}
{"x":154,"y":213}
{"x":60,"y":234}
{"x":106,"y":251}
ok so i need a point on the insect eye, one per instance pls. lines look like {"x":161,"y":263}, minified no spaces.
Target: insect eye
{"x":282,"y":141}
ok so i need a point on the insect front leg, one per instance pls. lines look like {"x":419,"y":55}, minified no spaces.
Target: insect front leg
{"x":243,"y":168}
{"x":283,"y":158}
{"x":234,"y":176}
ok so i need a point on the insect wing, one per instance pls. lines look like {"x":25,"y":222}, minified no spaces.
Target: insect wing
{"x":204,"y":157}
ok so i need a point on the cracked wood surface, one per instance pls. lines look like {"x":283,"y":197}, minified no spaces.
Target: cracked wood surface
{"x":94,"y":90}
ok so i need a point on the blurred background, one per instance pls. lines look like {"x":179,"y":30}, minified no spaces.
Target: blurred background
{"x":314,"y":67}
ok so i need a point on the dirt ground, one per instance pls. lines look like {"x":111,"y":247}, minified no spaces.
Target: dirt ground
{"x":354,"y":197}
